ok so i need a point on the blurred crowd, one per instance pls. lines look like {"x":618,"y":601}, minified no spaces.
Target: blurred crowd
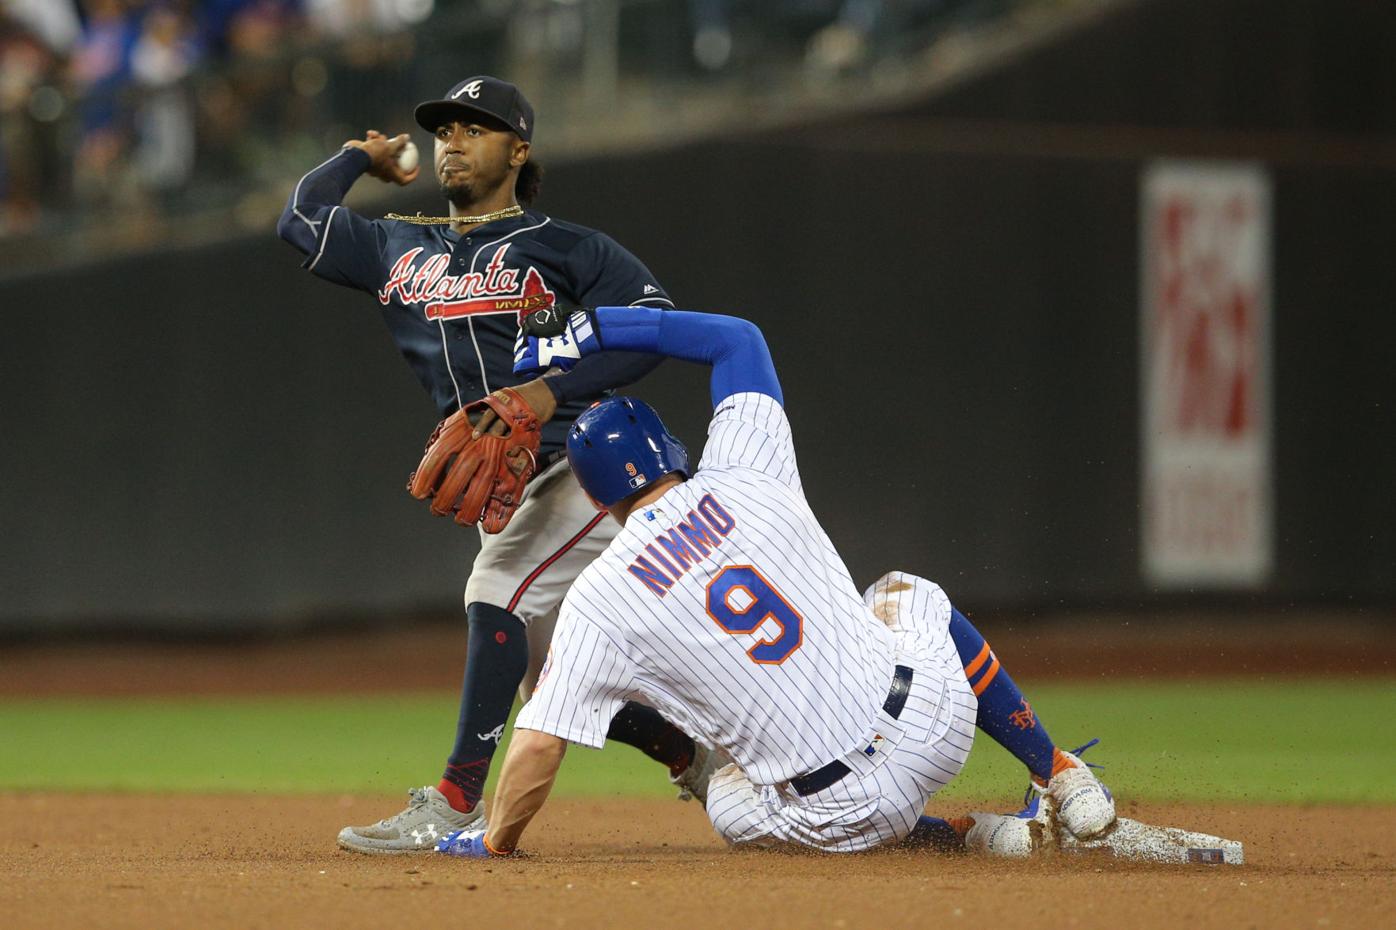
{"x":112,"y":102}
{"x":144,"y":106}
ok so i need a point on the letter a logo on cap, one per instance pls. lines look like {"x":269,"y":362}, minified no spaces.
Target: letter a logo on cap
{"x":471,"y":90}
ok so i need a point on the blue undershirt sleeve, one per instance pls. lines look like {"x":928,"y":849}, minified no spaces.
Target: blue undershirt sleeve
{"x":734,"y":347}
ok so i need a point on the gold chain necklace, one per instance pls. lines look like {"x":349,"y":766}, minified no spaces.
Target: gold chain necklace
{"x":420,"y":220}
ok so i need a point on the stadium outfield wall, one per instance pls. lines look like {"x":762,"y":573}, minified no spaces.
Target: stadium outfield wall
{"x":208,"y":438}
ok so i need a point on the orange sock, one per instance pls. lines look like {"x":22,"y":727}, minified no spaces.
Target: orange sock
{"x":1060,"y":763}
{"x":960,"y":825}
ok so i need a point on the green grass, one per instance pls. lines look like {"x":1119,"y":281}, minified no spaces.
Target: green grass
{"x":1259,"y":742}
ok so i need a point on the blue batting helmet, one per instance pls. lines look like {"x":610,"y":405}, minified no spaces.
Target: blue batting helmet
{"x":620,"y":446}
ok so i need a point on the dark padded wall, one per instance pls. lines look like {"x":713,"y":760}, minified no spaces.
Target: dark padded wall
{"x":213,"y":436}
{"x":1207,"y":64}
{"x":209,"y":434}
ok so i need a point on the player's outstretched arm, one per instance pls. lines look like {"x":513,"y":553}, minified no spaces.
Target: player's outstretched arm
{"x":734,"y":347}
{"x":530,"y":769}
{"x":317,"y":195}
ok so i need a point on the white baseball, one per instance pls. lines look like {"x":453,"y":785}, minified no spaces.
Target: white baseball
{"x":407,"y":158}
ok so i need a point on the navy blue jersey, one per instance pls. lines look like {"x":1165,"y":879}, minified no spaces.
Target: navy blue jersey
{"x":453,"y":302}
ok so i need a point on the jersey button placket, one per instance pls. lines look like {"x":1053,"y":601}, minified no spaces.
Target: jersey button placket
{"x":459,"y":331}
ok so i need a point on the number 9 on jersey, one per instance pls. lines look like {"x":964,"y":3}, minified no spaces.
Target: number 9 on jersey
{"x":740,"y":600}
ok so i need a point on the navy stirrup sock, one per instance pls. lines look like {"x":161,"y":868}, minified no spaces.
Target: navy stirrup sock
{"x":646,"y":729}
{"x":1003,"y":711}
{"x":495,"y":663}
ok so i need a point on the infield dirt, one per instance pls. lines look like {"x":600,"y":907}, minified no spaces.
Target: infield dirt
{"x":247,"y":861}
{"x":70,"y":861}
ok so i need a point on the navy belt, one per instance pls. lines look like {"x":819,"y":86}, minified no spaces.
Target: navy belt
{"x":822,"y":778}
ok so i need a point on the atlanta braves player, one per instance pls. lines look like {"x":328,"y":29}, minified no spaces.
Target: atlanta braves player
{"x":452,"y":291}
{"x":722,"y":602}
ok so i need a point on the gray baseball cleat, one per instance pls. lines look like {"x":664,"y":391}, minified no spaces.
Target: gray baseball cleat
{"x":693,"y":781}
{"x":428,"y":818}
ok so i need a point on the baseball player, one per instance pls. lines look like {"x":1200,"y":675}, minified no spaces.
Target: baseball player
{"x":723,"y":603}
{"x":451,"y":290}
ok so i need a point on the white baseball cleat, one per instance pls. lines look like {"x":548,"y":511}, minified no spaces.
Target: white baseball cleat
{"x":428,"y":818}
{"x":693,"y":781}
{"x":1012,"y":836}
{"x":1083,"y":805}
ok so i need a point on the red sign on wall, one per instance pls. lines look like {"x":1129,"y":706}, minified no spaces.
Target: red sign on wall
{"x":1205,"y":333}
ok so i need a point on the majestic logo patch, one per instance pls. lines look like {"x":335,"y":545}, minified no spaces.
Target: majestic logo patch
{"x":494,"y":289}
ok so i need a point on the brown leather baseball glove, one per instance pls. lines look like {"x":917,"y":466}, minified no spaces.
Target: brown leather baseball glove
{"x":480,"y":476}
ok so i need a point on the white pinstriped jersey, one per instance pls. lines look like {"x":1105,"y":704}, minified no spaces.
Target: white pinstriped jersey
{"x":929,"y":743}
{"x":725,"y":606}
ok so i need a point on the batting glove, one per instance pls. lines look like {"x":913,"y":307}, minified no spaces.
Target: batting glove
{"x":467,"y":844}
{"x":555,"y":337}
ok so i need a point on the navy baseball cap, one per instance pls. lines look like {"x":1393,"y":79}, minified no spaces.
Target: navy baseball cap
{"x":478,"y":95}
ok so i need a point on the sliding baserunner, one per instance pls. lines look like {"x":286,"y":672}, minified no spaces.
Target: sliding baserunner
{"x":722,"y":603}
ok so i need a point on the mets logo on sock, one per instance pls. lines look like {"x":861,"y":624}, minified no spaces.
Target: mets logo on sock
{"x":1023,"y":719}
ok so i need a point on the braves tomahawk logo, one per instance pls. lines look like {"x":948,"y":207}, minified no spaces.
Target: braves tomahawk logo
{"x":494,"y":289}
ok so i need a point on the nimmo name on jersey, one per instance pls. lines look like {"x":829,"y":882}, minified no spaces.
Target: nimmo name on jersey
{"x":686,"y":544}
